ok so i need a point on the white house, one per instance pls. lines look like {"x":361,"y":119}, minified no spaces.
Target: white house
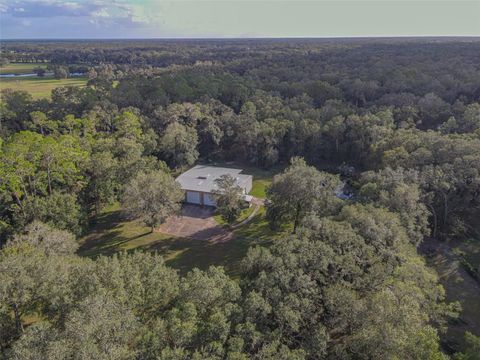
{"x":199,"y":182}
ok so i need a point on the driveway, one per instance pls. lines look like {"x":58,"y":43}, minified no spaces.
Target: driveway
{"x":196,"y":222}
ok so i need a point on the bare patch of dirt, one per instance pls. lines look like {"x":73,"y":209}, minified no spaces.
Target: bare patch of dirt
{"x":198,"y":223}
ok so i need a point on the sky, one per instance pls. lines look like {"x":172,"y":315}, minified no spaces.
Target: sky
{"x":58,"y":19}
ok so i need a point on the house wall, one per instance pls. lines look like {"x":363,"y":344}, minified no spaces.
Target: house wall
{"x":204,"y":198}
{"x":248,"y":186}
{"x":193,"y":197}
{"x":199,"y":198}
{"x":209,"y":200}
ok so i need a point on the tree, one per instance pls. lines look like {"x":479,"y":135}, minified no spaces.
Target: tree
{"x":227,"y":195}
{"x":40,"y":71}
{"x":47,"y":239}
{"x":103,"y":182}
{"x":58,"y":209}
{"x":472,"y":348}
{"x":99,"y":328}
{"x":300,"y":190}
{"x":152,"y":197}
{"x":179,"y":145}
{"x":349,"y":286}
{"x":41,"y":123}
{"x":60,"y":72}
{"x":399,"y":191}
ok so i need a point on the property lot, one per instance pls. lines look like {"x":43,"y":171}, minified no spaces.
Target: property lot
{"x":198,"y":223}
{"x":194,"y":239}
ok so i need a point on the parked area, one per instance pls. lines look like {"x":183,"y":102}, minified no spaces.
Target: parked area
{"x":196,"y":222}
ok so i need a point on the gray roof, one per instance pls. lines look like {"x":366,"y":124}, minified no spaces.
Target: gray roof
{"x":202,"y":178}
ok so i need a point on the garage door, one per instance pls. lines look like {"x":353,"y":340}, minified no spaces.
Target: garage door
{"x":209,"y":200}
{"x":193,"y":197}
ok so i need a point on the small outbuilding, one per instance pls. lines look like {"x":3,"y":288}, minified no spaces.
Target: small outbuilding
{"x":199,"y":183}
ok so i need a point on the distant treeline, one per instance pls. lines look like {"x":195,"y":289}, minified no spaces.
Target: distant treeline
{"x":398,"y":119}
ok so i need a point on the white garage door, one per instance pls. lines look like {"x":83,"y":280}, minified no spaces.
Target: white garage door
{"x":209,"y":200}
{"x":193,"y":197}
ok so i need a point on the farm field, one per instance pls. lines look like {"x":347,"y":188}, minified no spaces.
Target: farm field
{"x":20,"y":68}
{"x":39,"y":87}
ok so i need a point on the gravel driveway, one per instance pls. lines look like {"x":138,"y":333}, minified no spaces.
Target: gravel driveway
{"x":196,"y":222}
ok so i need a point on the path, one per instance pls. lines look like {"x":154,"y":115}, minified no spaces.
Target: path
{"x":459,"y":286}
{"x":257,"y":203}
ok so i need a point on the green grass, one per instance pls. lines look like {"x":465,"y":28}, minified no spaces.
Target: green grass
{"x":261,"y":179}
{"x":113,"y":233}
{"x":243,"y":215}
{"x":259,"y":188}
{"x":20,"y":68}
{"x":39,"y":87}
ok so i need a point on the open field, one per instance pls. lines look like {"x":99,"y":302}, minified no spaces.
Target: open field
{"x":39,"y":87}
{"x":20,"y":68}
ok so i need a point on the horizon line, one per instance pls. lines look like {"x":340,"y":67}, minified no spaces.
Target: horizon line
{"x":253,"y":37}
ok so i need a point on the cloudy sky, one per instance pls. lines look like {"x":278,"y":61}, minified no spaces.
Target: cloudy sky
{"x":236,"y":18}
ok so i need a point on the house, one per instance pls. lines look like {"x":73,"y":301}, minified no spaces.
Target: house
{"x":199,"y":183}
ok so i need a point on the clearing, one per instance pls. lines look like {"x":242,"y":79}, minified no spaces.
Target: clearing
{"x":112,"y":233}
{"x":21,"y":68}
{"x":40,"y":87}
{"x":186,"y":242}
{"x":198,"y":223}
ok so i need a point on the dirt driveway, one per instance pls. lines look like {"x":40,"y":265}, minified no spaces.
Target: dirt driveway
{"x":198,"y":223}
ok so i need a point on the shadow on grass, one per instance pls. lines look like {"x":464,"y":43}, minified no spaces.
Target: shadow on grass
{"x":459,"y":286}
{"x":112,"y":233}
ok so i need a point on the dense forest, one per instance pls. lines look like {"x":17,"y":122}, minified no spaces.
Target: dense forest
{"x":396,"y":120}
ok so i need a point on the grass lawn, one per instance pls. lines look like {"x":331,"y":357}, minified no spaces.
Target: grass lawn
{"x":20,"y":68}
{"x":243,"y":215}
{"x":39,"y":87}
{"x":112,"y":233}
{"x":261,"y":179}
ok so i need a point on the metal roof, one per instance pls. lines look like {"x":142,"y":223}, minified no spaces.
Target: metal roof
{"x":202,"y":178}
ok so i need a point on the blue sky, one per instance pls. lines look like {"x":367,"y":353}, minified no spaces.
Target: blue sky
{"x":236,"y":18}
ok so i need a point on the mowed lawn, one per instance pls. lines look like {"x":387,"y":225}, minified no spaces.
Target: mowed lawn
{"x":39,"y":87}
{"x":113,"y":233}
{"x":20,"y":68}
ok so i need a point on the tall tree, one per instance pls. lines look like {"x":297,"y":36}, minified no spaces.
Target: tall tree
{"x":227,"y":195}
{"x":179,"y":145}
{"x":152,"y":197}
{"x":300,"y":190}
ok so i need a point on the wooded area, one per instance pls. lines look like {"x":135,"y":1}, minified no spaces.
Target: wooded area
{"x":397,"y":121}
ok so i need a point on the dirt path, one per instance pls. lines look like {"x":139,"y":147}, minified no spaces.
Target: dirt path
{"x":255,"y":202}
{"x":459,"y":286}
